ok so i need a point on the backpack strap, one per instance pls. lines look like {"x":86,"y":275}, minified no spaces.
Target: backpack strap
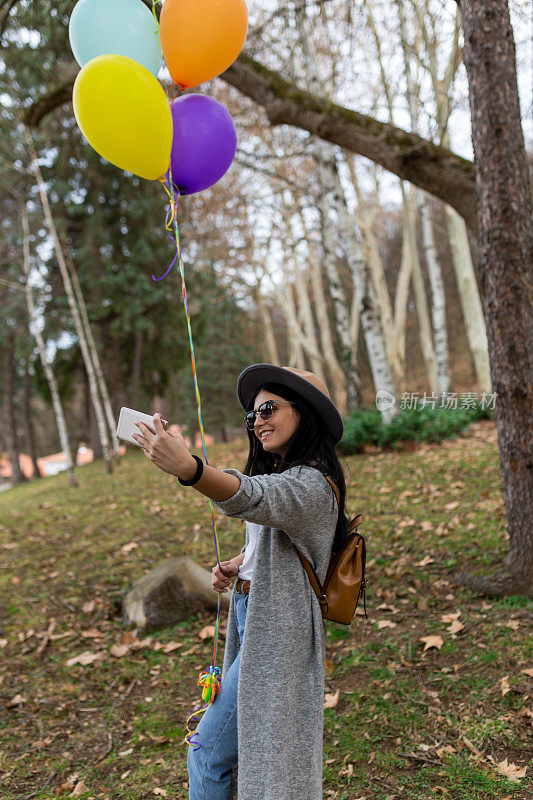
{"x":311,"y":574}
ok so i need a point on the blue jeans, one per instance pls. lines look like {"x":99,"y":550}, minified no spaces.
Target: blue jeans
{"x":210,"y":766}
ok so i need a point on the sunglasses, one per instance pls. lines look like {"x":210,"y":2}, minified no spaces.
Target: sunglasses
{"x":265,"y":411}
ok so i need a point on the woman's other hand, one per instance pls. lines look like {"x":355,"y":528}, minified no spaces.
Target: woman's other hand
{"x":166,"y":449}
{"x":220,"y":579}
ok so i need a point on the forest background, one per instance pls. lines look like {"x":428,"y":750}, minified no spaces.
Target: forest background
{"x":272,"y":252}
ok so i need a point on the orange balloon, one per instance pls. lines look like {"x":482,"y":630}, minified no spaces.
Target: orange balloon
{"x":201,"y":38}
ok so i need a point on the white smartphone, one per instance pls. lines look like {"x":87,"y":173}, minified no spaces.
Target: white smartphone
{"x":126,"y":424}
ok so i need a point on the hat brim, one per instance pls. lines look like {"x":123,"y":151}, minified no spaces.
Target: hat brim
{"x":254,"y":376}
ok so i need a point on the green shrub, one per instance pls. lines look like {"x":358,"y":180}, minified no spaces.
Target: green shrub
{"x":420,"y":424}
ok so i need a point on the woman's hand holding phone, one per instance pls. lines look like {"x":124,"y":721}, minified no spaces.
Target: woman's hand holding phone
{"x":166,"y":449}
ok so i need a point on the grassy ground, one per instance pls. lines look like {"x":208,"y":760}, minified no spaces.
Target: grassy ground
{"x":405,"y":722}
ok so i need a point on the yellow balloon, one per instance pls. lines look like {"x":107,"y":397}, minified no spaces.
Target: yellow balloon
{"x":124,"y":114}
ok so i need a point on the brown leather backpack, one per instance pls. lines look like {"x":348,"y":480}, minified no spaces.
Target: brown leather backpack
{"x":345,"y":579}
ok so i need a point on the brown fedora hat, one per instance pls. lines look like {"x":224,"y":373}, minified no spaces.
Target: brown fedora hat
{"x":307,"y":384}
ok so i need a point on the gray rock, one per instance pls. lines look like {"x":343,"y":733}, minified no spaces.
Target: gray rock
{"x":171,"y":592}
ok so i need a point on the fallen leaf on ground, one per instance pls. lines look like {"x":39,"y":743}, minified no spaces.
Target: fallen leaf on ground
{"x":85,"y":659}
{"x":504,"y":685}
{"x":511,"y":771}
{"x":452,"y":505}
{"x":448,"y":748}
{"x":160,"y":792}
{"x":450,"y":617}
{"x":387,"y":607}
{"x":331,"y":699}
{"x":119,"y":650}
{"x":93,"y":633}
{"x":455,"y":627}
{"x":88,"y":607}
{"x":386,"y":623}
{"x":127,"y":548}
{"x":473,"y":749}
{"x":206,"y":632}
{"x":528,"y":672}
{"x":78,"y":790}
{"x":431,"y":641}
{"x":157,"y":739}
{"x":67,"y":786}
{"x":55,"y":636}
{"x":3,"y":643}
{"x":170,"y":646}
{"x":425,"y":561}
{"x":347,"y":771}
{"x":513,"y":624}
{"x":16,"y":701}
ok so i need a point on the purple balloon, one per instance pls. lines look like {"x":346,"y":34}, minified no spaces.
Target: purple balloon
{"x":204,"y":141}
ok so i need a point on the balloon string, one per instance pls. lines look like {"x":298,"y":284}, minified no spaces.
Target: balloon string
{"x":157,"y":33}
{"x":172,"y":222}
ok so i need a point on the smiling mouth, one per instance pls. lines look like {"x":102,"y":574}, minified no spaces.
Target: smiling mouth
{"x":264,"y":435}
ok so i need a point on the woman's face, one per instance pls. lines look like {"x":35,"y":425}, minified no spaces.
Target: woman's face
{"x":275,"y":433}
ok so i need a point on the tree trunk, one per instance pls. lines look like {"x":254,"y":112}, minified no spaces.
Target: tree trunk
{"x":440,"y":355}
{"x":459,"y":244}
{"x":476,"y":330}
{"x":506,"y":256}
{"x":49,"y":374}
{"x":8,"y":402}
{"x":93,"y":350}
{"x":373,"y":258}
{"x":330,"y":199}
{"x":337,"y":377}
{"x":28,"y":421}
{"x":137,"y":363}
{"x":99,"y":412}
{"x":268,"y":329}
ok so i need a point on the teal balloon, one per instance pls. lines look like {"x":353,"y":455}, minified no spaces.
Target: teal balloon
{"x":115,"y":27}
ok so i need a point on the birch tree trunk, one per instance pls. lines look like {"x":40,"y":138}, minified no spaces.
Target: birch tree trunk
{"x":375,"y":340}
{"x":337,"y":377}
{"x":340,"y":303}
{"x":438,"y":309}
{"x":93,"y":387}
{"x":95,"y":358}
{"x":401,"y":299}
{"x":136,"y":373}
{"x":505,"y":220}
{"x":424,"y":326}
{"x":266,"y":323}
{"x":8,"y":390}
{"x":373,"y":259}
{"x":294,"y":333}
{"x":457,"y":232}
{"x":331,"y":186}
{"x":49,"y":373}
{"x":305,"y":315}
{"x":27,"y":419}
{"x":476,"y":330}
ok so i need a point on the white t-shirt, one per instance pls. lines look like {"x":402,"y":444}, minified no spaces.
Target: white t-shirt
{"x":247,"y":567}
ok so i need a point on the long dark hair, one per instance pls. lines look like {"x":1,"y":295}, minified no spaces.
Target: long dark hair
{"x":310,"y":445}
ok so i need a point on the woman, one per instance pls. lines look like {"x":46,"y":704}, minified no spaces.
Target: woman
{"x":273,"y":670}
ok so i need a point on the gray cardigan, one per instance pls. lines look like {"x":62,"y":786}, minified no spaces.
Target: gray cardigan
{"x":280,"y":705}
